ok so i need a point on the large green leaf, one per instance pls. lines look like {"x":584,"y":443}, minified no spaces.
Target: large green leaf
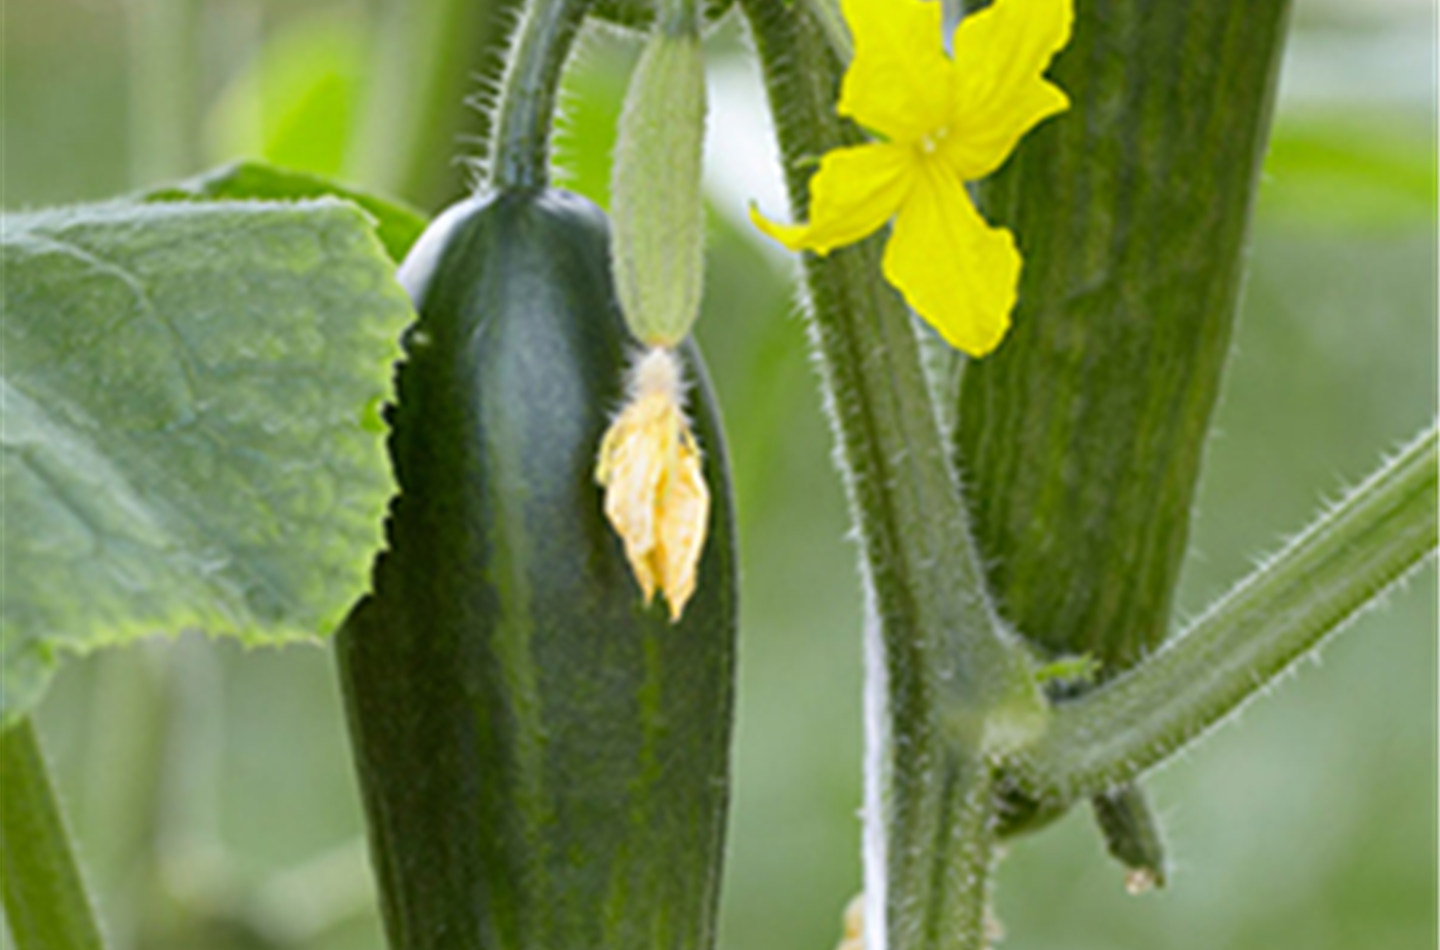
{"x":189,"y":424}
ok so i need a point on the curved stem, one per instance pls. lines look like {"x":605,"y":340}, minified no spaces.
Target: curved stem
{"x":1343,"y":562}
{"x":520,"y":158}
{"x":46,"y":906}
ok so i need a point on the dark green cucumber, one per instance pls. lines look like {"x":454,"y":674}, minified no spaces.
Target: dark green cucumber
{"x":543,"y":759}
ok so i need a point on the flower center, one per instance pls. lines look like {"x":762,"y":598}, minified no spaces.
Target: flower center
{"x":930,"y":142}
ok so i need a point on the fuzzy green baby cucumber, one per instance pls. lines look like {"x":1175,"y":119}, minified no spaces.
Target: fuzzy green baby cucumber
{"x":544,"y":758}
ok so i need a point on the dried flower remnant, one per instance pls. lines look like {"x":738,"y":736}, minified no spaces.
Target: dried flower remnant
{"x":655,"y":493}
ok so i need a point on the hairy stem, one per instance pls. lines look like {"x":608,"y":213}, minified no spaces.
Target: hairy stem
{"x":520,"y":157}
{"x":1343,"y":562}
{"x":946,"y":684}
{"x":832,"y":23}
{"x":46,"y":906}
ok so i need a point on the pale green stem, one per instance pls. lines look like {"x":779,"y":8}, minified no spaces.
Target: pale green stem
{"x":427,"y":56}
{"x":164,"y":76}
{"x":1344,"y":561}
{"x":185,"y":807}
{"x":121,"y":766}
{"x":46,"y":906}
{"x":529,"y":96}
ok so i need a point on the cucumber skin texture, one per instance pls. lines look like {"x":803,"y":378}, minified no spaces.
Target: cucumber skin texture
{"x":544,"y":761}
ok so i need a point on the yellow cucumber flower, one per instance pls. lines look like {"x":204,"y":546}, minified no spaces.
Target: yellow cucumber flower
{"x":944,"y":122}
{"x":655,"y":493}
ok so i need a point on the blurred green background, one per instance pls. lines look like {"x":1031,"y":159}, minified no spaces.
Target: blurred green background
{"x":211,"y":789}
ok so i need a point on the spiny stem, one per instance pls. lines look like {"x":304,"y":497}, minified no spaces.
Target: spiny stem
{"x":1343,"y":562}
{"x":520,"y":158}
{"x":46,"y":906}
{"x":947,"y":685}
{"x":832,"y":24}
{"x":940,"y":628}
{"x":952,"y":866}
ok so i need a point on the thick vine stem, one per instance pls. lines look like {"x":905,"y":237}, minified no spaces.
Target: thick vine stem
{"x":46,"y":905}
{"x":520,"y":155}
{"x":947,"y":685}
{"x":1348,"y":558}
{"x":936,"y":618}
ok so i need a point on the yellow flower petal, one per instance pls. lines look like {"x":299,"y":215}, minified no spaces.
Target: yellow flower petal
{"x":1000,"y":93}
{"x":656,"y":498}
{"x":856,"y":190}
{"x":900,"y":80}
{"x":955,"y":271}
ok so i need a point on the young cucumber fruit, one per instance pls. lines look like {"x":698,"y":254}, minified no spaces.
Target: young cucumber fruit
{"x":543,"y":759}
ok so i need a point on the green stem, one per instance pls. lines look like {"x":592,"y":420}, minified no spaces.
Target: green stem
{"x":1344,"y":561}
{"x":936,"y":894}
{"x":832,"y":23}
{"x":121,"y":763}
{"x":528,"y":98}
{"x":947,"y":684}
{"x":46,"y":906}
{"x":921,"y":564}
